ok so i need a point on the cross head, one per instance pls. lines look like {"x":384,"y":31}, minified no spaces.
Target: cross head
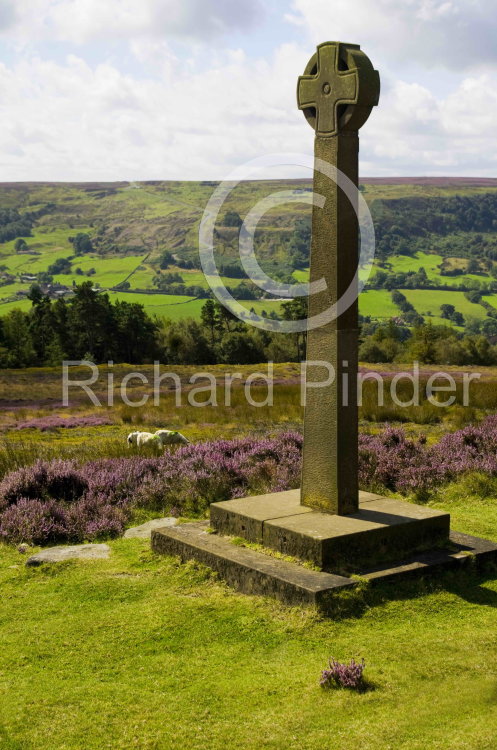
{"x":327,"y":88}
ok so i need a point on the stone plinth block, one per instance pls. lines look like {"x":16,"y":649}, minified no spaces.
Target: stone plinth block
{"x":382,"y":530}
{"x":246,"y":517}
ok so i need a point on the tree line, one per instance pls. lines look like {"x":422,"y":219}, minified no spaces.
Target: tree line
{"x":90,"y":326}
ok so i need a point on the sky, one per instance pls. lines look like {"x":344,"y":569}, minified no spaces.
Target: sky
{"x":192,"y":89}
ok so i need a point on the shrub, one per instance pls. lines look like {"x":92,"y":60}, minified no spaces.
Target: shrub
{"x":74,"y":503}
{"x":343,"y":675}
{"x":43,"y":480}
{"x":392,"y":461}
{"x":33,"y":521}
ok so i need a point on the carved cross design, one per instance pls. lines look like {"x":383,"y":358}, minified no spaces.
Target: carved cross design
{"x":328,"y":88}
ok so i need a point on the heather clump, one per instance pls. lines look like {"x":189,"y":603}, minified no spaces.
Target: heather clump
{"x":394,"y":462}
{"x":61,"y":500}
{"x":343,"y":675}
{"x":196,"y":475}
{"x":33,"y":521}
{"x":43,"y":480}
{"x":54,"y":422}
{"x":75,"y":503}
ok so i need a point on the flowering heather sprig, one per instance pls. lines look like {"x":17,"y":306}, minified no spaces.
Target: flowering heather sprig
{"x":343,"y":675}
{"x":55,"y":422}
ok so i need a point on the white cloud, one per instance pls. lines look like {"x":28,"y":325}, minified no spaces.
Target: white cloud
{"x":7,"y":14}
{"x":74,"y":121}
{"x":456,"y":34}
{"x":149,"y":112}
{"x":81,"y":21}
{"x":414,"y":132}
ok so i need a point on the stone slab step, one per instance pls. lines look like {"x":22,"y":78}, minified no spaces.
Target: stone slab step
{"x":245,"y":569}
{"x":253,"y":572}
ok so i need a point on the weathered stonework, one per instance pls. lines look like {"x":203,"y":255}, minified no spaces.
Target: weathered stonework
{"x":328,"y":522}
{"x":381,"y":530}
{"x":336,"y":93}
{"x":256,"y":573}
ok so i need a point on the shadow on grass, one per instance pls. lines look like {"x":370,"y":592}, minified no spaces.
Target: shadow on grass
{"x":367,"y":686}
{"x":465,"y":583}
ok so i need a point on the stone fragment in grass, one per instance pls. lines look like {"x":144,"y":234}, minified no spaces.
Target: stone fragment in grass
{"x":72,"y":552}
{"x":144,"y":531}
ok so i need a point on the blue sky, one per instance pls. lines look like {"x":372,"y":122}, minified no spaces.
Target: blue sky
{"x":191,"y":89}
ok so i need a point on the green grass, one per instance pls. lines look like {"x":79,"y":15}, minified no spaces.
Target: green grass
{"x":176,"y":307}
{"x":431,"y":263}
{"x":377,"y":304}
{"x":6,"y":307}
{"x":491,"y":299}
{"x":429,"y":300}
{"x":108,"y":271}
{"x":11,"y":289}
{"x":301,"y":275}
{"x":142,"y":278}
{"x":141,"y":651}
{"x":405,"y":263}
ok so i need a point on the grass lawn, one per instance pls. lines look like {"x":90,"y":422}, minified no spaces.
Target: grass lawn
{"x":139,"y":651}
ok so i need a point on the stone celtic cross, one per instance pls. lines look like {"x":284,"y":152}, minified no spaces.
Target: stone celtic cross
{"x":336,"y":93}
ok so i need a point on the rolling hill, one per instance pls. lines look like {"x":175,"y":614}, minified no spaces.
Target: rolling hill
{"x":436,"y":241}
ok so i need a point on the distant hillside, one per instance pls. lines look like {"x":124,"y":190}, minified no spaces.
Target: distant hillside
{"x":436,"y":245}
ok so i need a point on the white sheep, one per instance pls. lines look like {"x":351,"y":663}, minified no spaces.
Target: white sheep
{"x":142,"y":438}
{"x":171,"y":437}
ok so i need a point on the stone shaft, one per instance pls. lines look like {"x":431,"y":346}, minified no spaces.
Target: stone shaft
{"x":330,"y":453}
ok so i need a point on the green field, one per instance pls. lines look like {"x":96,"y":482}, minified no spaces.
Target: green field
{"x":132,"y":224}
{"x":430,"y":262}
{"x":491,"y":299}
{"x":22,"y":304}
{"x":176,"y":307}
{"x":108,"y":271}
{"x":428,"y":301}
{"x":405,"y":263}
{"x":141,"y":651}
{"x":378,"y":304}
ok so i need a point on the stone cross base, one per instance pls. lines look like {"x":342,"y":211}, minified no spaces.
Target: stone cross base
{"x":254,"y":572}
{"x":382,"y":530}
